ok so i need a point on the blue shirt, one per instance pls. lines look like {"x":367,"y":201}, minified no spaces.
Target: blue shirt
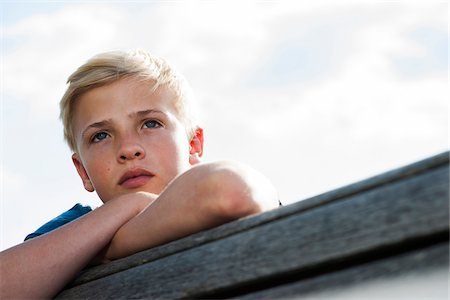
{"x":75,"y":212}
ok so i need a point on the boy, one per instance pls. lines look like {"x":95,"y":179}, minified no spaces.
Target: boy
{"x":129,"y":121}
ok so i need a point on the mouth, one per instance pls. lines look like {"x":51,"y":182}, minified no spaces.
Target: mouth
{"x":135,"y":178}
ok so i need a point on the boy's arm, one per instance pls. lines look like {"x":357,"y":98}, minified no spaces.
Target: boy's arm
{"x":41,"y":267}
{"x":203,"y":197}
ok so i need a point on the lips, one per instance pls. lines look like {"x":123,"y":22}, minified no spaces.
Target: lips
{"x":135,"y":178}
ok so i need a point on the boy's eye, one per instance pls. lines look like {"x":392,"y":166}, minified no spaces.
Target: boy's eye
{"x":99,"y":136}
{"x":152,"y":124}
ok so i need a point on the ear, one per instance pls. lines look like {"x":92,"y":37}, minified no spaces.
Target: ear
{"x":82,"y":172}
{"x":196,"y":147}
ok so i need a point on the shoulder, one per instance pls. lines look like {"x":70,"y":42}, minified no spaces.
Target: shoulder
{"x":75,"y":212}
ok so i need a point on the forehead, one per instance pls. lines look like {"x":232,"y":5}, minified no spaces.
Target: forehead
{"x":125,"y":94}
{"x":121,"y":98}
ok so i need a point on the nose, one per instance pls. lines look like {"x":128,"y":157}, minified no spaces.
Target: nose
{"x":129,"y":150}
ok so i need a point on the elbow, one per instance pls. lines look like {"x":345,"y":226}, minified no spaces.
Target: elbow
{"x":233,"y":190}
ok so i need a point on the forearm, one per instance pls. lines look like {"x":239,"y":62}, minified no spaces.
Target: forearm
{"x":202,"y":198}
{"x":41,"y":267}
{"x":161,"y":222}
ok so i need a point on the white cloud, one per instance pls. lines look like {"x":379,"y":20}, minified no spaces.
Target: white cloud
{"x":45,"y":49}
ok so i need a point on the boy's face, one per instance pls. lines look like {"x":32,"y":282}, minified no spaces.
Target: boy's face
{"x":130,"y":139}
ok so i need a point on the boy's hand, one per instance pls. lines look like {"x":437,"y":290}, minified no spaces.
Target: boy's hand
{"x":140,"y":201}
{"x":143,"y":198}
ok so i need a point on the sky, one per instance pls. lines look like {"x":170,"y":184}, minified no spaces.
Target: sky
{"x":314,"y":94}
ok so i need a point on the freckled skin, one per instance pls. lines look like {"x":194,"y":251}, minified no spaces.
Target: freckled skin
{"x":163,"y":151}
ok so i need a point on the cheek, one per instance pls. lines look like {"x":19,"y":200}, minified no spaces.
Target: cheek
{"x":98,"y":170}
{"x":176,"y":155}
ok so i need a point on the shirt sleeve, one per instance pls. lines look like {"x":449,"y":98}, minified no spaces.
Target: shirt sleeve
{"x":75,"y":212}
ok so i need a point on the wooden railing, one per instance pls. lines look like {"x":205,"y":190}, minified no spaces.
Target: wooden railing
{"x":366,"y":238}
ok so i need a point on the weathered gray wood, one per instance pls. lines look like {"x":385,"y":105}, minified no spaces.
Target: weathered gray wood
{"x":402,"y":208}
{"x":418,"y":264}
{"x":250,"y":222}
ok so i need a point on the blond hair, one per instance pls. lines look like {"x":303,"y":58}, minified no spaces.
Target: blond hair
{"x":108,"y":67}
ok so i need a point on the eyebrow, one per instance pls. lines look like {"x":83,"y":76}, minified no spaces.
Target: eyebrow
{"x":143,"y":113}
{"x":101,"y":124}
{"x":108,"y":122}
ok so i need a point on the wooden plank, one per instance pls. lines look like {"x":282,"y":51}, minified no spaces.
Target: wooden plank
{"x":253,"y":221}
{"x":418,"y":266}
{"x":408,"y":211}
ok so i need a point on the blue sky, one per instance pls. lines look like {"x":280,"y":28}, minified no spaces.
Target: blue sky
{"x":314,"y":94}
